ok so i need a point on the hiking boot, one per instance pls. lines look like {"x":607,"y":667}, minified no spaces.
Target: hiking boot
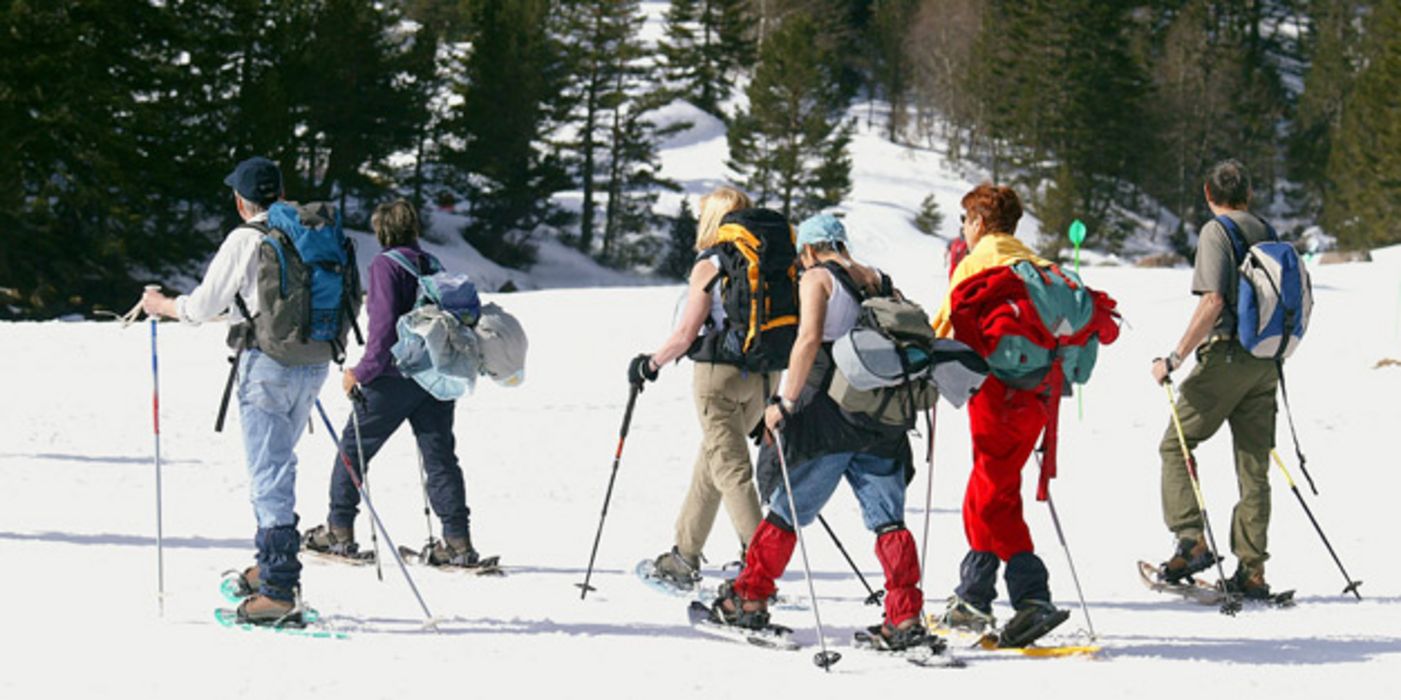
{"x":452,"y":551}
{"x":677,"y":569}
{"x":262,"y":610}
{"x":329,"y":539}
{"x":1192,"y":556}
{"x":963,"y":615}
{"x":1249,"y":583}
{"x":1033,"y":620}
{"x":906,"y":635}
{"x":730,"y":609}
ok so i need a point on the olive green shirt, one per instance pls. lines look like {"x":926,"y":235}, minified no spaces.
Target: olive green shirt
{"x":1216,"y":268}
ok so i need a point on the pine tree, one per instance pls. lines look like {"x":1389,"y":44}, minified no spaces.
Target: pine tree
{"x":681,"y":252}
{"x":889,"y":31}
{"x":1363,"y":206}
{"x":929,"y":219}
{"x":790,"y":146}
{"x":502,"y":163}
{"x":1334,"y":57}
{"x":708,"y":44}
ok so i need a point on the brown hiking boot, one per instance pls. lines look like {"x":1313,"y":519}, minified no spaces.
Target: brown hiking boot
{"x":1249,"y":583}
{"x":678,"y":569}
{"x":329,"y":539}
{"x":262,"y":610}
{"x":452,"y":551}
{"x":1192,"y":556}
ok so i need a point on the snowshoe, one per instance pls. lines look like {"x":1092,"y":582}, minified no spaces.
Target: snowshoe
{"x":676,"y":570}
{"x":263,"y":611}
{"x":1249,"y":585}
{"x":457,"y":554}
{"x":706,"y":619}
{"x":963,"y":616}
{"x":1191,"y":588}
{"x":914,"y":644}
{"x":1033,"y":621}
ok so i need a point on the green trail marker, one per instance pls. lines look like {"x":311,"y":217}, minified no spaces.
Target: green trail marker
{"x":1077,"y":236}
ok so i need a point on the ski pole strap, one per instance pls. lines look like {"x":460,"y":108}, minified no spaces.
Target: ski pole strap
{"x":1294,"y":434}
{"x":1048,"y":441}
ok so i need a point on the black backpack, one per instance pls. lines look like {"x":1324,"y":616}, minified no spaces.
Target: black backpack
{"x":759,"y":288}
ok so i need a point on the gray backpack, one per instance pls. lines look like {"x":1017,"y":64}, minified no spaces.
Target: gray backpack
{"x":891,"y":366}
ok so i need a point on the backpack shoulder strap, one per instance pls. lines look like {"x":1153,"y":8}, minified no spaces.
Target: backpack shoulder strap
{"x":403,"y":262}
{"x":1237,"y":238}
{"x":841,"y":275}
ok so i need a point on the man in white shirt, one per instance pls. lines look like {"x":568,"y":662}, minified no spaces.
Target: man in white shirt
{"x":274,"y":399}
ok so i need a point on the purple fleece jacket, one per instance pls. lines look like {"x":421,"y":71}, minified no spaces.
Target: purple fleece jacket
{"x":392,"y":292}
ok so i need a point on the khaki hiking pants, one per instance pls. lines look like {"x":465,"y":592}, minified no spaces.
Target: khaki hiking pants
{"x":1227,"y":385}
{"x":729,"y":403}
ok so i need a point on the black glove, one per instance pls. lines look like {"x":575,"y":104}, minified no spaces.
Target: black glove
{"x":640,"y":370}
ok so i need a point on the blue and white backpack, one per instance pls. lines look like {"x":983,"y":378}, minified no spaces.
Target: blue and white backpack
{"x":437,"y":347}
{"x":1275,"y":297}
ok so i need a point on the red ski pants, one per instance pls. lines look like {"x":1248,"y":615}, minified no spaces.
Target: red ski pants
{"x":772,"y":547}
{"x":1006,"y":424}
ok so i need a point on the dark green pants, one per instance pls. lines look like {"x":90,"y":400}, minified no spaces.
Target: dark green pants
{"x":1227,"y":385}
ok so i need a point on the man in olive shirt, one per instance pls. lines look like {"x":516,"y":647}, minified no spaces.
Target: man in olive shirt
{"x":1227,"y":384}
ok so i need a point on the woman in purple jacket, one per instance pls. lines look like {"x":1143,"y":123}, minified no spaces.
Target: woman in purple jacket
{"x":387,"y":398}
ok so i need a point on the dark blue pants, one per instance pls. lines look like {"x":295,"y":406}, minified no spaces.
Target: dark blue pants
{"x":1026,"y":577}
{"x":389,"y":401}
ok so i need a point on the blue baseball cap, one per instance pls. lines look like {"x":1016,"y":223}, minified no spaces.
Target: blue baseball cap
{"x":822,"y":228}
{"x":257,"y":180}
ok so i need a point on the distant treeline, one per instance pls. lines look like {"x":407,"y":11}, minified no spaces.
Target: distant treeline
{"x":119,"y":119}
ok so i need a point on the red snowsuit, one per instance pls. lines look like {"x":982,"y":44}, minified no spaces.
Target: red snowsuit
{"x":1007,"y":421}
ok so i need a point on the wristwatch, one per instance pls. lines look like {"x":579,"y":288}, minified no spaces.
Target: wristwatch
{"x":1173,"y":361}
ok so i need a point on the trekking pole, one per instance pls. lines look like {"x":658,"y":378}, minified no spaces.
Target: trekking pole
{"x":584,"y":587}
{"x":374,"y":515}
{"x":1351,"y":584}
{"x":156,"y":431}
{"x":823,"y":658}
{"x":1231,"y":606}
{"x":364,"y":473}
{"x":423,"y":480}
{"x":928,"y":492}
{"x":1060,"y":534}
{"x":873,"y":597}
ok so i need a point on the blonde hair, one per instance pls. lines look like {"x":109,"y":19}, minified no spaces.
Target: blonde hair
{"x":713,"y":207}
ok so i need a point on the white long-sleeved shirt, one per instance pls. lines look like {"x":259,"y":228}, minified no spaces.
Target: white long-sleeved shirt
{"x":234,"y":269}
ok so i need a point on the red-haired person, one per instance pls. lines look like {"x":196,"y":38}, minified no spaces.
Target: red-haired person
{"x":1006,"y":423}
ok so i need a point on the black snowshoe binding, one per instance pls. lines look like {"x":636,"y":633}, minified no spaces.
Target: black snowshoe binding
{"x":1192,"y":556}
{"x":728,"y":609}
{"x":458,"y":553}
{"x":887,"y":638}
{"x":335,"y":542}
{"x":238,"y":585}
{"x":675,"y":570}
{"x":1034,"y":619}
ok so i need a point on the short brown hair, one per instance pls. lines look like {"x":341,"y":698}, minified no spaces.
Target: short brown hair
{"x":395,"y":223}
{"x":1228,"y":184}
{"x":998,"y":207}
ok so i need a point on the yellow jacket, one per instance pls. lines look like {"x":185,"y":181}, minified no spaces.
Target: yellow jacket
{"x":993,"y":250}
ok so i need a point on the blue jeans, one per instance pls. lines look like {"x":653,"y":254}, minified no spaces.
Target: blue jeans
{"x":879,"y":485}
{"x":389,"y":401}
{"x":274,"y":402}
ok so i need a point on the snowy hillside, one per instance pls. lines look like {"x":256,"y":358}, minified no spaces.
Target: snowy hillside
{"x":77,"y":525}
